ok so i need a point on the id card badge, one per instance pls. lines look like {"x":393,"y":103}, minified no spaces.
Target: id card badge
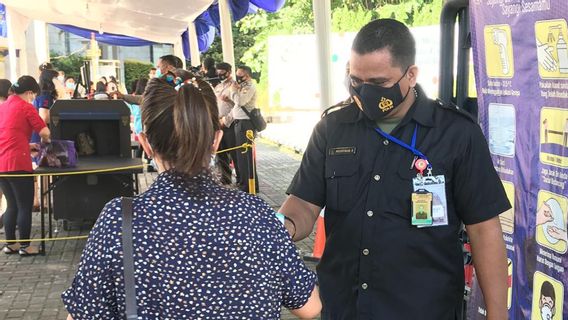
{"x":421,"y":208}
{"x":436,"y":185}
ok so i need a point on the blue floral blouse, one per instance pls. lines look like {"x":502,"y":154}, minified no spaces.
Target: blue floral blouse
{"x":201,"y":252}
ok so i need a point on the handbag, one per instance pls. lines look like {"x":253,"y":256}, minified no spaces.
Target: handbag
{"x":57,"y":154}
{"x":85,"y":144}
{"x":128,"y":260}
{"x":256,"y":118}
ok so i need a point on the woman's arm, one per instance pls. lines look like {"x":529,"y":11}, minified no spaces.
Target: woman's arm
{"x":310,"y":310}
{"x":44,"y":115}
{"x":45,"y":135}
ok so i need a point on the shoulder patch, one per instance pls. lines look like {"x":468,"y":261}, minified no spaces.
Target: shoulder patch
{"x":336,"y":107}
{"x":454,"y":108}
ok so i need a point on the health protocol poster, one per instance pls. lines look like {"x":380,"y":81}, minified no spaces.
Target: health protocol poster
{"x":521,"y":68}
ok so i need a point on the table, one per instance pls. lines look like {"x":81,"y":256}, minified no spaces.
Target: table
{"x":85,"y":165}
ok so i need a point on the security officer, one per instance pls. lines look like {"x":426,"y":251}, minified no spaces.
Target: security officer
{"x":225,"y":104}
{"x":243,"y":96}
{"x":366,"y":164}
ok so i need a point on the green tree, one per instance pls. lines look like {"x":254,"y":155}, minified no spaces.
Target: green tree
{"x":71,"y":65}
{"x":251,"y":34}
{"x":134,"y":70}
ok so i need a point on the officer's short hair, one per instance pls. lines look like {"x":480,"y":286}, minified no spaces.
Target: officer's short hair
{"x":172,"y":60}
{"x":387,"y":34}
{"x":247,"y":70}
{"x":224,"y":66}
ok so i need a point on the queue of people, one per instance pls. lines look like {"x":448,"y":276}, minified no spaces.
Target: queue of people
{"x":202,"y":250}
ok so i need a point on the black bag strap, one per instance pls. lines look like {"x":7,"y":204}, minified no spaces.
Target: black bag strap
{"x":128,"y":260}
{"x":247,"y":112}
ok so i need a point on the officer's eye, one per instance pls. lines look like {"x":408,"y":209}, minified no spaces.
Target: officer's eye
{"x":355,"y":82}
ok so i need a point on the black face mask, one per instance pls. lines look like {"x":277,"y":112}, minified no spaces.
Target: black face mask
{"x":377,"y":102}
{"x":222,"y":76}
{"x":240,"y":79}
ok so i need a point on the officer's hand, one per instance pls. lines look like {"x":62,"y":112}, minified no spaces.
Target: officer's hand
{"x":118,"y":94}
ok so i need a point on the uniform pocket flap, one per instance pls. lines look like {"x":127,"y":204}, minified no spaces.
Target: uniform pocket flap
{"x":343,"y":169}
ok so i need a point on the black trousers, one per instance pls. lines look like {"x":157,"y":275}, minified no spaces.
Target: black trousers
{"x":19,"y":193}
{"x":241,"y":127}
{"x":223,"y":160}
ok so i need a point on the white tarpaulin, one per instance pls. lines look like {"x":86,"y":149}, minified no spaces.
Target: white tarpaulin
{"x":160,"y":21}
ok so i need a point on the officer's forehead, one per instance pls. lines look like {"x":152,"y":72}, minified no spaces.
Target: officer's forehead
{"x":371,"y":65}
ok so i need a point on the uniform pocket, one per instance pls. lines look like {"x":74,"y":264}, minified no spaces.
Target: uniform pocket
{"x":341,"y":181}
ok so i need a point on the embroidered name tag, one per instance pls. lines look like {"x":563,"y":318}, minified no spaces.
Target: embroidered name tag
{"x":341,"y":151}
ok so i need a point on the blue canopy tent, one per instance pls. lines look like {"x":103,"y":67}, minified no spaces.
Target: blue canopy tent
{"x":207,"y":25}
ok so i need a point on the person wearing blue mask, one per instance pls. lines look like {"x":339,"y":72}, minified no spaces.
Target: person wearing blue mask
{"x":167,"y":63}
{"x":373,"y":165}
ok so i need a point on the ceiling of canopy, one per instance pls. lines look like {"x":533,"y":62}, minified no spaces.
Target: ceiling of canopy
{"x":159,"y":21}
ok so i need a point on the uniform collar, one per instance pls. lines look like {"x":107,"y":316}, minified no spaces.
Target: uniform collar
{"x":421,"y":111}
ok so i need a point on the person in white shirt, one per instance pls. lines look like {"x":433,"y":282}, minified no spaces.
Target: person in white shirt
{"x":243,"y":95}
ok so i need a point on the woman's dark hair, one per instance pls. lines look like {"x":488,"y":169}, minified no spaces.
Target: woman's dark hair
{"x":184,"y":74}
{"x":141,"y":86}
{"x":46,"y":84}
{"x":209,"y":63}
{"x":181,"y":125}
{"x":101,"y":87}
{"x":5,"y":85}
{"x":25,"y":83}
{"x":387,"y":34}
{"x":46,"y":66}
{"x":112,"y":79}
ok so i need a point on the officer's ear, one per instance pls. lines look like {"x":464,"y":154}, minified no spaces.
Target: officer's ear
{"x":412,"y":75}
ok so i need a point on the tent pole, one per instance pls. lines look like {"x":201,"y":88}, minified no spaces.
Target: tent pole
{"x":193,"y":45}
{"x":41,"y":43}
{"x":227,"y":33}
{"x":322,"y":21}
{"x":12,"y":33}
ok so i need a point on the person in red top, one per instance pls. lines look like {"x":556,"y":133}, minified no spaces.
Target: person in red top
{"x":18,"y":120}
{"x":5,"y":86}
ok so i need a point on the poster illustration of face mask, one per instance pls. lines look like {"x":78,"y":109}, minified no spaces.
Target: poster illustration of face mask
{"x":548,"y":297}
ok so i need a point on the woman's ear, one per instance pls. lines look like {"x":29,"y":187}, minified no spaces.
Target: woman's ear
{"x":145,"y":145}
{"x":217,"y":140}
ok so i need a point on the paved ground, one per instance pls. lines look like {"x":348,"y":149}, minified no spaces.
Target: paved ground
{"x":30,"y":288}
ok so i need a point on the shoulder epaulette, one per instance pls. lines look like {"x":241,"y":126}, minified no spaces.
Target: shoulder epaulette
{"x":336,"y":107}
{"x":455,"y":108}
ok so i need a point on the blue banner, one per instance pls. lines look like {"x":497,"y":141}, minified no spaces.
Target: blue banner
{"x":521,"y":67}
{"x":3,"y":23}
{"x":107,"y":38}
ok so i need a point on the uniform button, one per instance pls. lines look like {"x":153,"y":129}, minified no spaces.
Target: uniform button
{"x":377,"y":177}
{"x":386,"y":142}
{"x":370,"y":213}
{"x":365,"y":252}
{"x":364,"y":286}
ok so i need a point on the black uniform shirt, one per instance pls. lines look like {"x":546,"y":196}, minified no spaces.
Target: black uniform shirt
{"x":376,"y":265}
